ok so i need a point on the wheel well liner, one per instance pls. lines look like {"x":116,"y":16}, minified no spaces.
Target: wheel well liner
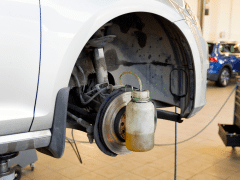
{"x":156,"y":50}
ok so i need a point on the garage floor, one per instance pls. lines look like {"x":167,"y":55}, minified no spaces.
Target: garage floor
{"x":203,"y":158}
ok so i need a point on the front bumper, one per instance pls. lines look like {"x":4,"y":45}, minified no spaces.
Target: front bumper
{"x":213,"y":76}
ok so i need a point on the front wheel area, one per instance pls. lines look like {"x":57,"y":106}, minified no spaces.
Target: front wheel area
{"x":139,"y":44}
{"x":224,"y":77}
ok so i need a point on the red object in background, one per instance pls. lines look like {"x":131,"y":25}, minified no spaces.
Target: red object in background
{"x":212,"y":59}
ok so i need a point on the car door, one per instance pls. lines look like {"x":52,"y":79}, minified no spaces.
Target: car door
{"x":235,"y":59}
{"x":237,"y":56}
{"x":224,"y":55}
{"x":19,"y":63}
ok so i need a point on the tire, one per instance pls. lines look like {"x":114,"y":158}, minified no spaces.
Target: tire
{"x":224,"y":77}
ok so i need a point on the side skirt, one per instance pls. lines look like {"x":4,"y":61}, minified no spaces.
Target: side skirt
{"x":24,"y":141}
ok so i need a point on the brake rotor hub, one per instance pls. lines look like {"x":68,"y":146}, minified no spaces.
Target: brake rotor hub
{"x":122,"y":128}
{"x":109,"y":130}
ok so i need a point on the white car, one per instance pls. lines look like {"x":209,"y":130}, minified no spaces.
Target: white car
{"x":60,"y":63}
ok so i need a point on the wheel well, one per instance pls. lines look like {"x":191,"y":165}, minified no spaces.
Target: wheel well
{"x":229,"y":68}
{"x":153,"y":48}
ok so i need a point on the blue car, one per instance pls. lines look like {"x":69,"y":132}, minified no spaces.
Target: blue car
{"x":224,"y":61}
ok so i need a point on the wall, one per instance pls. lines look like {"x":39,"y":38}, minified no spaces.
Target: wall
{"x":223,"y":19}
{"x":235,"y":23}
{"x":193,"y":4}
{"x":222,"y":23}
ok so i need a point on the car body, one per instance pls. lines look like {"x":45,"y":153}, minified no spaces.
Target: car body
{"x":224,"y":58}
{"x":42,"y":42}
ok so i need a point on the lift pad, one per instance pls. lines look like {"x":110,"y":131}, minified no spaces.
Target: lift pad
{"x":230,"y":134}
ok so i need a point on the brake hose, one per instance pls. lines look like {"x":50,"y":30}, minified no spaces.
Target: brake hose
{"x":129,"y":72}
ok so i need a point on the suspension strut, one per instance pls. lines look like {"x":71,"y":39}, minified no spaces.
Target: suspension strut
{"x":98,"y":43}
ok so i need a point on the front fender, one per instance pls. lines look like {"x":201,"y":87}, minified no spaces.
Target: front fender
{"x":66,"y":28}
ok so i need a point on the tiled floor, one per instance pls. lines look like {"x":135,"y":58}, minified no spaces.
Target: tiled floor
{"x":202,"y":158}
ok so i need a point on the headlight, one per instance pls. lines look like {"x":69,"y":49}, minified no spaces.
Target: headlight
{"x":193,"y":16}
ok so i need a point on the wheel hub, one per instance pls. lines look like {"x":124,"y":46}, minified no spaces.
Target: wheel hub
{"x":109,"y":130}
{"x":110,"y":137}
{"x":225,"y":77}
{"x":122,"y":128}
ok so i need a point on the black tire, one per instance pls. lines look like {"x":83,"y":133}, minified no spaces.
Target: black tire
{"x":224,"y":77}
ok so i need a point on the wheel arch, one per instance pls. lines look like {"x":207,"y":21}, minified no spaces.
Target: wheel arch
{"x":181,"y":51}
{"x":61,"y":76}
{"x":229,"y":67}
{"x":96,"y":22}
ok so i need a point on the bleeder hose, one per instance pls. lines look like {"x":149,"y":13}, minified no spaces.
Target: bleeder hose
{"x":129,"y":72}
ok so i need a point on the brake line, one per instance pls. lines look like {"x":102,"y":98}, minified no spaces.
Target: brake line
{"x":129,"y":72}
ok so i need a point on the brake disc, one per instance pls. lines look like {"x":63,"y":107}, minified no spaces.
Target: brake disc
{"x":109,"y":129}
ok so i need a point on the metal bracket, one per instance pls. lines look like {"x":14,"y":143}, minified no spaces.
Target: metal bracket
{"x":167,"y":115}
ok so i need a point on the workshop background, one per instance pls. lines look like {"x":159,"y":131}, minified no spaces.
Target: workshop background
{"x":204,"y":157}
{"x":219,"y":19}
